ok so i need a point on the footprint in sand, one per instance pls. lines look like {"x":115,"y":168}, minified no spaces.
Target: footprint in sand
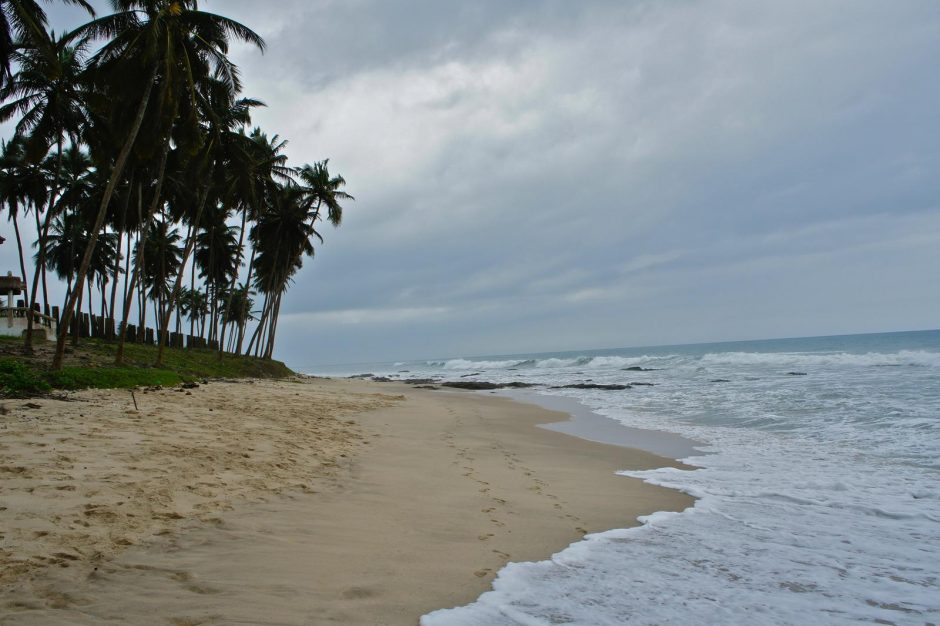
{"x":480,"y":573}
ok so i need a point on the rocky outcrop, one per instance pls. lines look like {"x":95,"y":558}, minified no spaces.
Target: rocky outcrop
{"x":594,"y":386}
{"x":480,"y":385}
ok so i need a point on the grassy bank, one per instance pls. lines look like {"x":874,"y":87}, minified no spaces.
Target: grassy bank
{"x":91,"y":365}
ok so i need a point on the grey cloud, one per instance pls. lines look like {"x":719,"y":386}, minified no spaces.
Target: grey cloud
{"x":548,"y":175}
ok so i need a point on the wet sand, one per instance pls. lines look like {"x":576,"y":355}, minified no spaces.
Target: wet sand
{"x":312,"y":502}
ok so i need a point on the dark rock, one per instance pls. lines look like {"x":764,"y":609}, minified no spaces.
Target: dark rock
{"x":426,"y":387}
{"x":470,"y":384}
{"x":634,"y":384}
{"x":190,"y":385}
{"x":32,"y":405}
{"x":360,"y":376}
{"x":473,"y":374}
{"x":720,"y":380}
{"x":796,"y":373}
{"x":418,"y":381}
{"x":593,"y":386}
{"x":480,"y":385}
{"x":637,"y":368}
{"x":381,"y":379}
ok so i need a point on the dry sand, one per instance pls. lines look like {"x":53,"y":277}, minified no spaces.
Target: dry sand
{"x":315,"y":502}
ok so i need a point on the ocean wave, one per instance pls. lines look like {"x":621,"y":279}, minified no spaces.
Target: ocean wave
{"x":467,"y":364}
{"x":918,"y":358}
{"x":583,"y":361}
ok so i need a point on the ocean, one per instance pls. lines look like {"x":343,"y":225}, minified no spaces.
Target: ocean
{"x":817,"y":478}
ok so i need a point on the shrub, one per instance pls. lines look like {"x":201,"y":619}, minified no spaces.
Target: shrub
{"x":18,"y":379}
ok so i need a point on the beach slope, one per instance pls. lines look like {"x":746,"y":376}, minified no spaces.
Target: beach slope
{"x":316,"y":501}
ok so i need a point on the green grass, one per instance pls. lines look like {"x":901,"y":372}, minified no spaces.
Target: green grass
{"x":111,"y":378}
{"x":19,"y":379}
{"x":91,"y":365}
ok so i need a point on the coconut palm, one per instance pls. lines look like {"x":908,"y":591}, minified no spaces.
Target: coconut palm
{"x":22,"y":185}
{"x":282,"y":238}
{"x":62,"y":247}
{"x":316,"y":190}
{"x":216,"y":257}
{"x":323,"y":191}
{"x":257,"y":177}
{"x":224,"y":118}
{"x":163,"y":256}
{"x":195,"y":306}
{"x":45,"y":93}
{"x":22,"y":22}
{"x":177,"y":44}
{"x":68,"y":237}
{"x":237,"y":310}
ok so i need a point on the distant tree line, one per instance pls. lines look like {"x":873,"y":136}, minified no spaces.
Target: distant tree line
{"x":135,"y":158}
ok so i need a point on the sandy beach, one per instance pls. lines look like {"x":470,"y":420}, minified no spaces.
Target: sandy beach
{"x":290,"y":502}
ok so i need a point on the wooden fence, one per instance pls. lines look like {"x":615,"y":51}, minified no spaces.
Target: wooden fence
{"x":95,"y":326}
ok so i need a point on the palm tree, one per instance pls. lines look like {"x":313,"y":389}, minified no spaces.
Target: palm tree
{"x":216,"y":257}
{"x":22,"y":22}
{"x":282,"y":237}
{"x":323,"y":190}
{"x":62,"y":247}
{"x":74,"y":172}
{"x":177,"y":43}
{"x":45,"y":93}
{"x":22,"y":185}
{"x":163,"y":256}
{"x":256,"y":179}
{"x":305,"y":201}
{"x":195,"y":306}
{"x":223,"y":119}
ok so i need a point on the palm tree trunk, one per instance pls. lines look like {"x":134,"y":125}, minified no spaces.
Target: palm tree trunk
{"x":139,"y":261}
{"x":269,"y":352}
{"x":261,"y":321}
{"x":128,"y":293}
{"x":141,"y":300}
{"x":127,"y":272}
{"x":143,"y":319}
{"x":234,"y":284}
{"x":33,"y":293}
{"x":102,"y":289}
{"x":190,"y":244}
{"x":43,"y":233}
{"x":91,"y":300}
{"x":203,"y":332}
{"x":116,"y":173}
{"x":243,"y":318}
{"x":192,"y":292}
{"x":121,"y":226}
{"x":19,"y":248}
{"x":78,"y":294}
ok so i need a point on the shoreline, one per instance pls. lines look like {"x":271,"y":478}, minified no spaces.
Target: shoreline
{"x":422,"y":499}
{"x":586,"y":424}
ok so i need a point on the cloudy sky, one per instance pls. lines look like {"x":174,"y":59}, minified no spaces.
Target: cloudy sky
{"x":547,"y":175}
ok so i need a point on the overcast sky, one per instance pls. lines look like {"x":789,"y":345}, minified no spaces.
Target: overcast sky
{"x":556,"y":175}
